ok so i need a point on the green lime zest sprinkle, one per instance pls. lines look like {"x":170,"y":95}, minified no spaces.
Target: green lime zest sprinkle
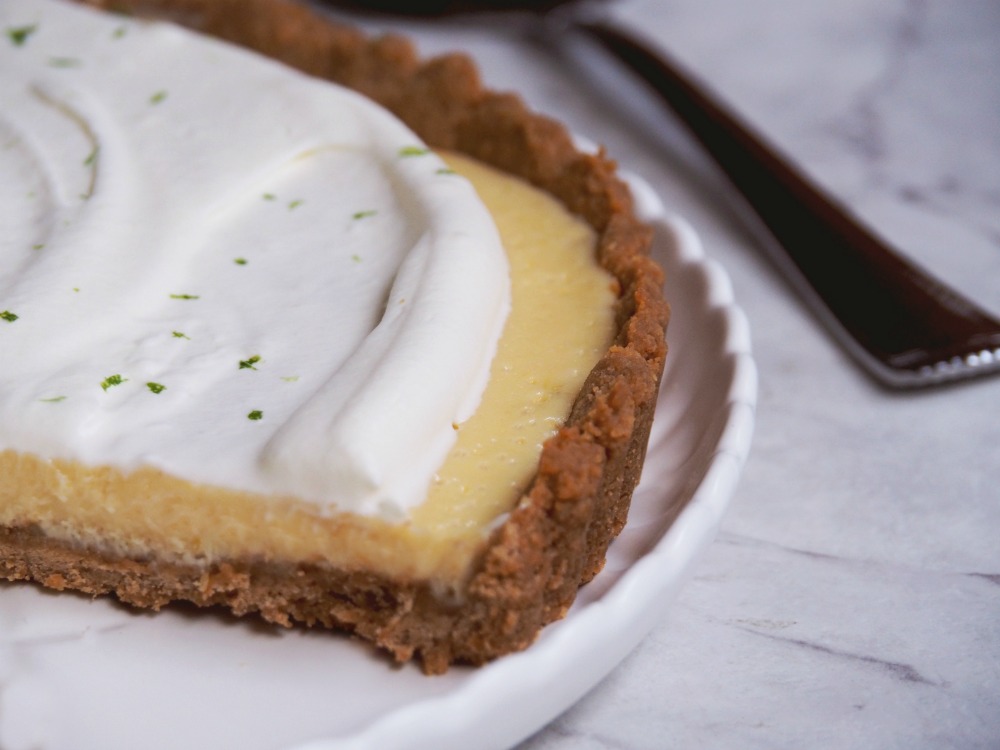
{"x":158,"y":97}
{"x":92,"y":156}
{"x":240,"y":261}
{"x":295,"y":204}
{"x":8,"y":316}
{"x":181,"y":335}
{"x":18,"y":35}
{"x":248,"y":364}
{"x":119,"y":32}
{"x":112,"y":380}
{"x":255,"y":415}
{"x":156,"y":387}
{"x":363,"y":214}
{"x":413,"y":151}
{"x":53,"y":400}
{"x":64,"y":62}
{"x":185,"y":296}
{"x":446,"y":170}
{"x":356,"y":258}
{"x":268,"y":196}
{"x":38,"y":246}
{"x":290,"y":378}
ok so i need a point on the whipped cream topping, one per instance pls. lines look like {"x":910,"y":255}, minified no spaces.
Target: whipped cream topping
{"x":216,"y":266}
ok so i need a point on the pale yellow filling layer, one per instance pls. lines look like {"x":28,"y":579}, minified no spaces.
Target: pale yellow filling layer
{"x":561,"y":322}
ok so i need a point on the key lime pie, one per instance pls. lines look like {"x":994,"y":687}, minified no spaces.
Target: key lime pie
{"x":296,"y":324}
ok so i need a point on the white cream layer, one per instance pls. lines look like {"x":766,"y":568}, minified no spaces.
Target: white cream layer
{"x":216,"y":266}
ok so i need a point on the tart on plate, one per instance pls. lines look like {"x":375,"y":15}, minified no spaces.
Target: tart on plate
{"x":370,"y":348}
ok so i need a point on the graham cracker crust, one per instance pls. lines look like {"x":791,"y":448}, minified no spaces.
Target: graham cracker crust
{"x":556,"y":538}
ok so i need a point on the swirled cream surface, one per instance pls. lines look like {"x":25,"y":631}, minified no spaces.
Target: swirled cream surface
{"x":219,"y":268}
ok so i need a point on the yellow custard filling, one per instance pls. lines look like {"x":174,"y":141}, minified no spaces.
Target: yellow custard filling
{"x":561,"y":322}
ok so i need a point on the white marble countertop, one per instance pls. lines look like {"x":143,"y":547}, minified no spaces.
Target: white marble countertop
{"x":852,"y":599}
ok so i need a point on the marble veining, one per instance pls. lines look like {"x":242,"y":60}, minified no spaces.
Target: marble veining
{"x":864,"y":130}
{"x":903,"y":672}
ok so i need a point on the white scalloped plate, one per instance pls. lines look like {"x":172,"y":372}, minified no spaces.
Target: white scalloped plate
{"x":81,"y":674}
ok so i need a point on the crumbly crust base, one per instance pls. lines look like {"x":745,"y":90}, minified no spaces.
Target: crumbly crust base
{"x":556,"y":538}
